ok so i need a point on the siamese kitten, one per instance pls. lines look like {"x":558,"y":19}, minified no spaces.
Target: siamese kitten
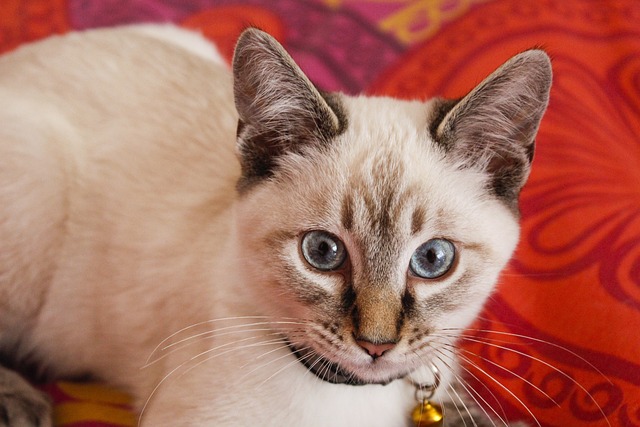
{"x":238,"y":248}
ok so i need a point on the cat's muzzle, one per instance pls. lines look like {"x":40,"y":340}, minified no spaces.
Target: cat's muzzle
{"x":329,"y":371}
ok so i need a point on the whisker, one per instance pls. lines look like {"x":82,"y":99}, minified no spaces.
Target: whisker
{"x":445,"y":389}
{"x":455,"y":336}
{"x":325,"y":368}
{"x":270,"y":361}
{"x":525,"y":337}
{"x":183,"y":364}
{"x":195,"y":325}
{"x":520,"y":377}
{"x":502,"y":417}
{"x":471,"y":392}
{"x":288,"y":365}
{"x":455,"y":405}
{"x":181,"y":347}
{"x":543,"y":362}
{"x":212,"y":334}
{"x":452,"y":388}
{"x":265,"y":320}
{"x":258,"y":344}
{"x":310,"y":355}
{"x":228,"y":329}
{"x":505,"y":388}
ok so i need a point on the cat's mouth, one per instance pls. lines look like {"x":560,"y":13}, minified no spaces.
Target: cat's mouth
{"x":329,"y":371}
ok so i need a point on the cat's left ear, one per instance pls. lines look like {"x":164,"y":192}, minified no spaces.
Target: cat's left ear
{"x":494,"y":127}
{"x":280,"y":110}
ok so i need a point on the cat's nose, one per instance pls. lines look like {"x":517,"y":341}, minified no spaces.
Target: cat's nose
{"x":375,"y":350}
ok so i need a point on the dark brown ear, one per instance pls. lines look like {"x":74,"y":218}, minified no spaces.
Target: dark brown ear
{"x":280,"y":110}
{"x":493,"y":128}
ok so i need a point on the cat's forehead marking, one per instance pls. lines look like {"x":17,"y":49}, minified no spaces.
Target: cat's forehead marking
{"x":418,"y":218}
{"x":380,"y":209}
{"x":381,"y":199}
{"x":376,"y":195}
{"x":346,"y":212}
{"x":387,"y":150}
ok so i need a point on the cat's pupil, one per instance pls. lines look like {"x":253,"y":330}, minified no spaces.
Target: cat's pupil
{"x":431,"y":256}
{"x":326,"y":251}
{"x":323,"y":248}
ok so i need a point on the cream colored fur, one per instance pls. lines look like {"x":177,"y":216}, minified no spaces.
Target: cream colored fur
{"x":120,"y":225}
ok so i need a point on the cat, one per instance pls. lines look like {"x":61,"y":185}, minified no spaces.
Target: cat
{"x":233,"y":246}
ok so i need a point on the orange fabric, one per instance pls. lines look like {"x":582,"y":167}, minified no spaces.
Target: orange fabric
{"x":90,"y":405}
{"x":574,"y":286}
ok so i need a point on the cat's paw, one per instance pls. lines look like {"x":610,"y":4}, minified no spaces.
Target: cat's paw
{"x":20,"y":404}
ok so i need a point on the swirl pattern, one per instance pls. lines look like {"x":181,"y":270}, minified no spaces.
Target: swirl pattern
{"x":575,"y":281}
{"x":558,"y":340}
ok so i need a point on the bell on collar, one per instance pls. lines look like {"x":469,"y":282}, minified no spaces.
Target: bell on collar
{"x":427,"y":414}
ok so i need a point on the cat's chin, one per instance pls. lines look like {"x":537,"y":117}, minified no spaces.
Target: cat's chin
{"x":332,"y":372}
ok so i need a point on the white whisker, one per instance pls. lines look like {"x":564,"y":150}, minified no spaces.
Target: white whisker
{"x":181,"y":347}
{"x":475,"y":365}
{"x":183,"y":364}
{"x":270,"y":361}
{"x":288,"y":365}
{"x":545,"y":363}
{"x":252,"y":345}
{"x":471,"y":392}
{"x":453,"y":389}
{"x":195,"y":325}
{"x":229,"y":330}
{"x":520,"y":377}
{"x":214,"y":333}
{"x":525,"y":337}
{"x":452,"y":400}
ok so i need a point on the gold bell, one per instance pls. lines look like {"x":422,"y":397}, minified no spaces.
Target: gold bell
{"x":427,"y":414}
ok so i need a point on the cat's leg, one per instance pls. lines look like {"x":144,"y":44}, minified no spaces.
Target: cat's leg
{"x":21,"y":404}
{"x":31,"y":231}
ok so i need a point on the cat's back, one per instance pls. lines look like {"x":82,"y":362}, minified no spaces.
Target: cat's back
{"x":107,"y":135}
{"x":133,"y":104}
{"x":122,"y":55}
{"x":109,"y":79}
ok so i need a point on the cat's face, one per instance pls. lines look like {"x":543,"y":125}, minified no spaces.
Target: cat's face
{"x":376,"y":227}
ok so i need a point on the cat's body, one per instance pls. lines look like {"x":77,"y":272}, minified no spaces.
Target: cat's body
{"x":125,"y":216}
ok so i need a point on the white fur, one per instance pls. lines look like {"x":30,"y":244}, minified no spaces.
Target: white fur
{"x":120,"y":225}
{"x":188,"y":40}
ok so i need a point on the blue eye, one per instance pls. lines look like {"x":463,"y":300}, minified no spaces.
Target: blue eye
{"x":433,"y":259}
{"x":323,"y":250}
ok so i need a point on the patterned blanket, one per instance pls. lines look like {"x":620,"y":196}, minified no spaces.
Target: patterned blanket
{"x":560,"y":338}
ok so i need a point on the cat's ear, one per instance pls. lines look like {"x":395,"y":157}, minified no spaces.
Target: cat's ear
{"x":280,"y":110}
{"x":494,"y":127}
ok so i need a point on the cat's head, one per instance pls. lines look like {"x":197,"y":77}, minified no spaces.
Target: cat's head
{"x":381,"y":225}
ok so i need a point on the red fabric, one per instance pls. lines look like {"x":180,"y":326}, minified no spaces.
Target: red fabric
{"x":574,"y":286}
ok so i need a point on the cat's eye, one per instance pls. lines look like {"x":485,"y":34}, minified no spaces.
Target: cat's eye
{"x":433,"y":259}
{"x":323,"y":250}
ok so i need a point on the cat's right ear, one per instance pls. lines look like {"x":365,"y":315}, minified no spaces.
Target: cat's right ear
{"x":280,"y":110}
{"x":493,"y":128}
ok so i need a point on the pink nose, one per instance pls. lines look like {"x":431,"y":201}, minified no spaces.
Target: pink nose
{"x":375,"y":350}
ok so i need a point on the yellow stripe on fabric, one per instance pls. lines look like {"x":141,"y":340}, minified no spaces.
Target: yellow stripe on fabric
{"x":419,"y":20}
{"x":76,"y":412}
{"x":94,"y":393}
